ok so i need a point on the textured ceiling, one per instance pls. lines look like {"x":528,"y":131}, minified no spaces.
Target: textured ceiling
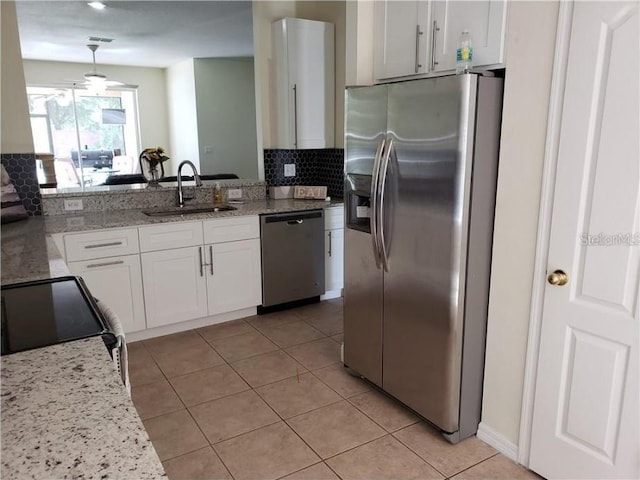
{"x":145,"y":33}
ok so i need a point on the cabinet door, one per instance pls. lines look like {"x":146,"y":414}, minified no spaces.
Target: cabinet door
{"x":485,"y":21}
{"x":311,"y":83}
{"x":116,"y":281}
{"x":334,"y":259}
{"x":400,"y":38}
{"x":175,"y":287}
{"x":234,"y":276}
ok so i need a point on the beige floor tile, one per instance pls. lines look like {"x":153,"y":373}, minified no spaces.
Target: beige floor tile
{"x":203,"y":464}
{"x":209,"y":384}
{"x":329,"y":324}
{"x":316,"y":354}
{"x":173,"y":342}
{"x":498,"y":467}
{"x":243,"y":346}
{"x":382,"y":459}
{"x":234,"y":415}
{"x":385,"y":411}
{"x":447,"y":458}
{"x":155,"y":399}
{"x":326,"y":307}
{"x":268,"y":368}
{"x":143,"y":372}
{"x":174,"y":434}
{"x":188,"y":359}
{"x":335,"y":428}
{"x":319,"y":471}
{"x":292,"y":333}
{"x":274,"y":320}
{"x":338,"y":378}
{"x":297,"y":395}
{"x":268,"y":453}
{"x":338,"y":338}
{"x":224,"y":330}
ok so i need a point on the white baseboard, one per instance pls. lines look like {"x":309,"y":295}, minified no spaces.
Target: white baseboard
{"x":331,"y":294}
{"x":189,"y":325}
{"x":489,"y":436}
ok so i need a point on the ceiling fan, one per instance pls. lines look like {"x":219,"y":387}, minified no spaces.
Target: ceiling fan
{"x":96,"y":78}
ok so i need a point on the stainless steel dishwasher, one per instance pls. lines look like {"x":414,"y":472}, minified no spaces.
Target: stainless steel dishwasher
{"x":292,"y":256}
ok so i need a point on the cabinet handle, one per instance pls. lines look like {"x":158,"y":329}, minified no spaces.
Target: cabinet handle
{"x":418,"y":33}
{"x":100,"y":245}
{"x":329,"y":243}
{"x":105,"y":264}
{"x":295,"y":115}
{"x":211,"y":256}
{"x":201,"y":264}
{"x":434,"y":32}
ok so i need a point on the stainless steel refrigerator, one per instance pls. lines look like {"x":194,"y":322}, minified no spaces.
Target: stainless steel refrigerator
{"x":421,"y":165}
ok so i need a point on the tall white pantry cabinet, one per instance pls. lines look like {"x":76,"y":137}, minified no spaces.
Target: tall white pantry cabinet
{"x":304,"y":76}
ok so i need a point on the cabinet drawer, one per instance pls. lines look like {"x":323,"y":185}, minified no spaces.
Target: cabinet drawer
{"x":170,"y":235}
{"x":231,"y":229}
{"x":333,"y":218}
{"x":101,"y":244}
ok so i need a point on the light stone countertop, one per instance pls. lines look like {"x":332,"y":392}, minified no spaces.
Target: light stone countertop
{"x":66,"y":414}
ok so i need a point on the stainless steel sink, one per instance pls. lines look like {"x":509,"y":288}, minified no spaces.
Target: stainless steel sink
{"x":187,"y":210}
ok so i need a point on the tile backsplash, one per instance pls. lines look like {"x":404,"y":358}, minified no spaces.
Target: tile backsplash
{"x":313,"y":167}
{"x":21,"y":168}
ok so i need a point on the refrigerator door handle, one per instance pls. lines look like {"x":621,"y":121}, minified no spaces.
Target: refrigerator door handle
{"x":373,"y":210}
{"x":384,"y":167}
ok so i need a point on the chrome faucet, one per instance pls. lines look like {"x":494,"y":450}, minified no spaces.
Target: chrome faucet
{"x":179,"y":195}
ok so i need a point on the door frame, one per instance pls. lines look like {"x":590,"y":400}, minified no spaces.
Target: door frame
{"x":550,"y":164}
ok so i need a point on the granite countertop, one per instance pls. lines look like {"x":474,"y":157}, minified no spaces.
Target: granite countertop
{"x":135,"y":217}
{"x":66,"y":414}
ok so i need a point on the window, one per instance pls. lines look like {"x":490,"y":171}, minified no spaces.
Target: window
{"x":92,"y":136}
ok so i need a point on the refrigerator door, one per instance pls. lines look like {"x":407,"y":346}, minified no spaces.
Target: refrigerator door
{"x":424,"y":214}
{"x":366,"y":126}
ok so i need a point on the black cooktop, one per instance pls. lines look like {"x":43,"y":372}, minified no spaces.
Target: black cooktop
{"x":46,"y":312}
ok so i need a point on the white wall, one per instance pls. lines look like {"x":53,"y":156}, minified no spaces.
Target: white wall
{"x":530,"y":49}
{"x":183,"y":122}
{"x":15,"y":127}
{"x":152,"y":106}
{"x":226,"y":112}
{"x":266,"y":12}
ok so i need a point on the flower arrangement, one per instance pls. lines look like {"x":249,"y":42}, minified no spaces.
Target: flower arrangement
{"x":154,"y":157}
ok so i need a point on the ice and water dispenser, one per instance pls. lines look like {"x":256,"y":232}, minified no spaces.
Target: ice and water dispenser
{"x":358,"y":202}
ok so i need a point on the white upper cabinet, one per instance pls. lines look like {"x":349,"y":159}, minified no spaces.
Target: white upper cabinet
{"x":485,"y":21}
{"x":400,"y":42}
{"x":420,"y":38}
{"x":303,"y":66}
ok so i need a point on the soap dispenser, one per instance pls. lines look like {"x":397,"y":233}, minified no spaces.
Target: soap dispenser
{"x":217,"y":194}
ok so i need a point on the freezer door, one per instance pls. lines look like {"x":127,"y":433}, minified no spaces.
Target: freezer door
{"x":366,"y":125}
{"x":426,"y":177}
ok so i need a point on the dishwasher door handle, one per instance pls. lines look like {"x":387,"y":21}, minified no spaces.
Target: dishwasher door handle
{"x":294,"y":222}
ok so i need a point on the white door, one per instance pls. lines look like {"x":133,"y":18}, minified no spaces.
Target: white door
{"x":400,"y":38}
{"x":485,"y":21}
{"x":334,"y":259}
{"x":116,"y":281}
{"x":585,"y":421}
{"x":175,"y":287}
{"x":234,"y":276}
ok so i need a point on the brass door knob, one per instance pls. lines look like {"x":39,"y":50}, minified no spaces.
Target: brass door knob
{"x":558,"y":278}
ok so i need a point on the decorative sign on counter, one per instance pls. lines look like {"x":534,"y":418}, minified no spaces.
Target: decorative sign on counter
{"x":313,"y":193}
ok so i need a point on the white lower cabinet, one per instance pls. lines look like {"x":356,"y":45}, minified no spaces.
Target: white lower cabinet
{"x":116,"y":281}
{"x":199,"y":280}
{"x":234,"y":276}
{"x":334,"y":260}
{"x":175,"y":286}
